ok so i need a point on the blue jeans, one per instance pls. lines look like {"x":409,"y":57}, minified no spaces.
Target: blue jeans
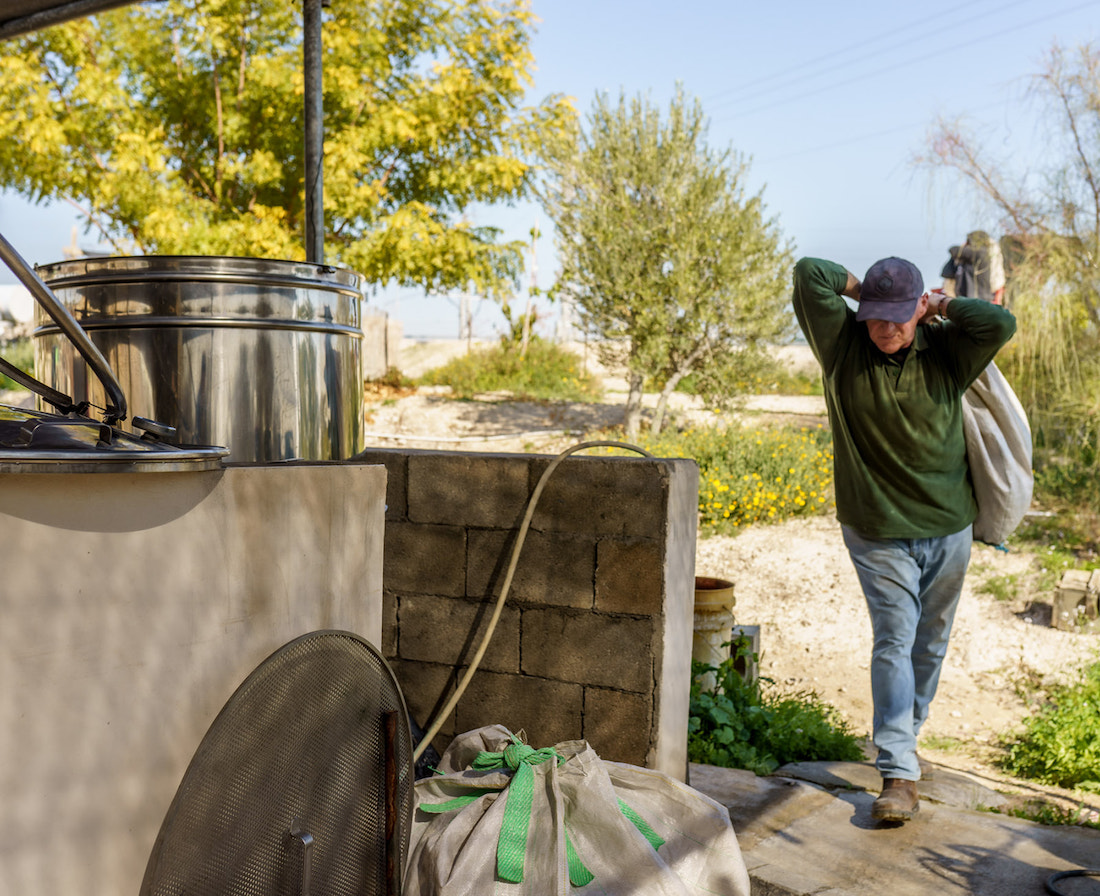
{"x":912,"y":587}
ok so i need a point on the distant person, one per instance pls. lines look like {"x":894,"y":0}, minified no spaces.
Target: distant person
{"x":894,"y":373}
{"x":979,"y":267}
{"x":950,"y":272}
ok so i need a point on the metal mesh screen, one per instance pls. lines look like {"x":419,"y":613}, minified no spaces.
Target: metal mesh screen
{"x":302,"y":744}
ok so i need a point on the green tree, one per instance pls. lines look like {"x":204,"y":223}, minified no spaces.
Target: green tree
{"x":669,"y":261}
{"x":178,"y":128}
{"x":1052,"y":252}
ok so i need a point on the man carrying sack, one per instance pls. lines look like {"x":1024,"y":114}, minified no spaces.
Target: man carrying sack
{"x":894,"y":373}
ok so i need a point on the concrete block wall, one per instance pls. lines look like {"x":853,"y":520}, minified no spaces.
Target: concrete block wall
{"x":381,"y":348}
{"x":594,"y":641}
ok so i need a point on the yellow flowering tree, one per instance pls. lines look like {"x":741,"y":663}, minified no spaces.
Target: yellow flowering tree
{"x":178,"y":128}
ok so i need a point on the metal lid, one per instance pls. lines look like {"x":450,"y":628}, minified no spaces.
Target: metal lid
{"x":36,"y":442}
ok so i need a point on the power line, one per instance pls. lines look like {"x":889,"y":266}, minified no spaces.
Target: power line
{"x":909,"y":62}
{"x":846,"y":55}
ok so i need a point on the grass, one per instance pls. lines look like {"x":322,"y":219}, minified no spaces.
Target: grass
{"x":751,"y":725}
{"x":776,"y":380}
{"x":547,"y":372}
{"x":1003,"y":587}
{"x":943,"y":743}
{"x":1043,"y":812}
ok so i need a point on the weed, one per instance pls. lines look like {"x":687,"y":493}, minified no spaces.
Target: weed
{"x":1060,"y":741}
{"x":775,"y":379}
{"x":1006,"y":587}
{"x":943,"y":743}
{"x":753,"y":475}
{"x":546,"y":372}
{"x":1043,"y":812}
{"x":739,"y":724}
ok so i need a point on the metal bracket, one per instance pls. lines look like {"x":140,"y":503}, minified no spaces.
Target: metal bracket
{"x":306,"y":840}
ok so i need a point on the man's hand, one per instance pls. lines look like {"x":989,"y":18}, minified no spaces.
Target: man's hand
{"x":851,"y":289}
{"x":937,"y":305}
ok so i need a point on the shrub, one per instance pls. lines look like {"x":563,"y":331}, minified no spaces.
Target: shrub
{"x":545,"y":372}
{"x":1060,"y":742}
{"x":754,"y":475}
{"x":737,"y":724}
{"x":19,"y":352}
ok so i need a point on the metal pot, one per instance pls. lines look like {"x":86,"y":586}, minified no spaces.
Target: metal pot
{"x":261,"y":356}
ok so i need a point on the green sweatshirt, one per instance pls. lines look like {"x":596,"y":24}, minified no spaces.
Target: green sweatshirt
{"x":899,"y":458}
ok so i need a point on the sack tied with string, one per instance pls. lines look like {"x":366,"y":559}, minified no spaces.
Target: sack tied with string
{"x":998,"y":449}
{"x":505,"y":818}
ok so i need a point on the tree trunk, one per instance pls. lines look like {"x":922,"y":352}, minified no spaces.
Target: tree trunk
{"x":662,"y":403}
{"x":632,"y":415}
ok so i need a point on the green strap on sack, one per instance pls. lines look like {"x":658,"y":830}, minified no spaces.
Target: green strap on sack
{"x":512,"y":842}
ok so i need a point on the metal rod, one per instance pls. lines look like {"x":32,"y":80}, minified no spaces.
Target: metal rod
{"x":314,"y":132}
{"x":393,"y":830}
{"x":62,"y":12}
{"x":116,"y":400}
{"x":306,"y":840}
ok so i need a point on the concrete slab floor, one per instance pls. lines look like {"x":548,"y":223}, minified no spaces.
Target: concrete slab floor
{"x":810,"y":831}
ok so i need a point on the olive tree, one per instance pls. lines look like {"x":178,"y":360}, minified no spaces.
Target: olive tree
{"x":669,"y":261}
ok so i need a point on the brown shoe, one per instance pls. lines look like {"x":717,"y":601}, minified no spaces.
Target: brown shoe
{"x":897,"y":802}
{"x":927,"y":769}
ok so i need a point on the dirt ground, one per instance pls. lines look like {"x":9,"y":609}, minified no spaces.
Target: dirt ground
{"x":794,"y":580}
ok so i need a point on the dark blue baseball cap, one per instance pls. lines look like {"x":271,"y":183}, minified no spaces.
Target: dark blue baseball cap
{"x":890,"y":291}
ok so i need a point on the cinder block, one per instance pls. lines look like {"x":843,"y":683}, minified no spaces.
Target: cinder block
{"x":553,"y":569}
{"x":588,"y":648}
{"x":425,"y":559}
{"x":603,"y":496}
{"x":450,"y":630}
{"x":1075,"y":602}
{"x":629,"y":576}
{"x":747,"y":667}
{"x":546,"y":712}
{"x":427,"y":688}
{"x":617,"y":724}
{"x":468,"y":489}
{"x":396,"y":464}
{"x":389,"y":625}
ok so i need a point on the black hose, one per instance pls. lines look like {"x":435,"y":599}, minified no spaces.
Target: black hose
{"x":1062,"y":875}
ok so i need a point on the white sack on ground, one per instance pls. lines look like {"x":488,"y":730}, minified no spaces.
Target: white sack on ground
{"x":615,"y":829}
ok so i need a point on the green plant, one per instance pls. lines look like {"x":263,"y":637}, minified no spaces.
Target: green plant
{"x":1006,"y":587}
{"x":19,"y":352}
{"x":394,"y":379}
{"x":546,"y":371}
{"x":774,"y":378}
{"x":753,"y":475}
{"x":740,"y":724}
{"x":942,"y":743}
{"x":1060,"y":741}
{"x":1043,"y":812}
{"x":669,"y":259}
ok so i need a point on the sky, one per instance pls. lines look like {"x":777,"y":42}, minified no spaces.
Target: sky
{"x":829,"y":103}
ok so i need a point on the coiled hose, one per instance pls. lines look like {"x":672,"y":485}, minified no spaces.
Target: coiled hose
{"x":1052,"y":881}
{"x":532,"y":503}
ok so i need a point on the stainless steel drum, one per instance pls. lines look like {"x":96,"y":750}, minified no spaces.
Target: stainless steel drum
{"x":261,"y":356}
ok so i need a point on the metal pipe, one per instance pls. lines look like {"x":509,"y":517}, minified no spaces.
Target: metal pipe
{"x":116,"y":400}
{"x":60,"y":12}
{"x":314,"y":132}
